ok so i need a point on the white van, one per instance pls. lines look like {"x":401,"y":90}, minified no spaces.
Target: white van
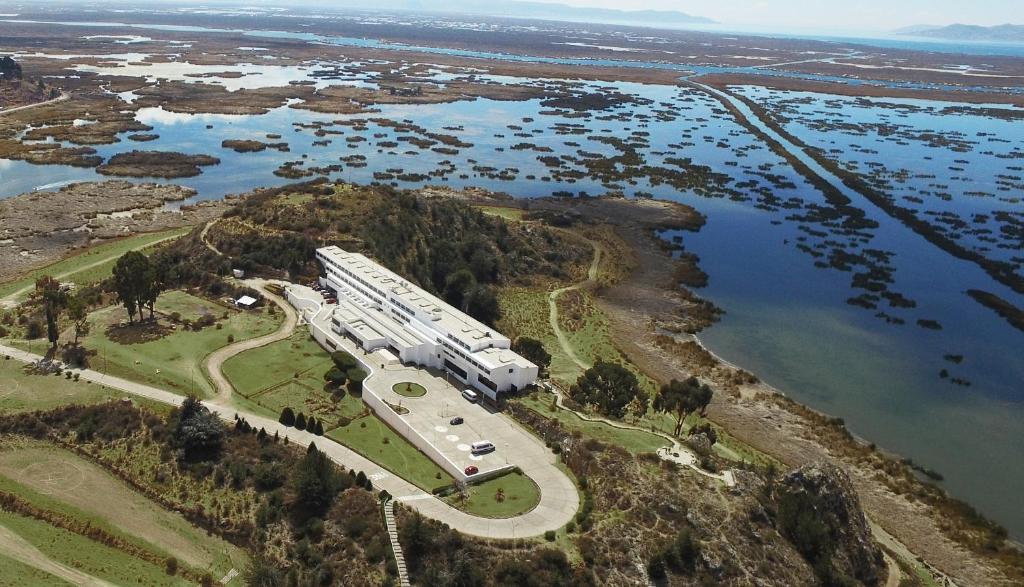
{"x":481,"y":447}
{"x":470,"y":395}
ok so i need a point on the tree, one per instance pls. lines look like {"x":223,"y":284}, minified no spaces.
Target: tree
{"x":132,"y":276}
{"x":533,"y":350}
{"x":344,"y":361}
{"x":355,"y":380}
{"x":683,"y":398}
{"x":54,"y":300}
{"x":197,"y":432}
{"x":482,"y":304}
{"x":287,"y":417}
{"x":457,"y":285}
{"x":78,"y":312}
{"x":315,"y":482}
{"x":319,"y":430}
{"x":300,"y":421}
{"x":610,"y":387}
{"x":335,"y":376}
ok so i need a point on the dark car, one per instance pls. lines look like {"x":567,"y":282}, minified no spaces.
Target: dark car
{"x":472,"y":470}
{"x":456,"y":421}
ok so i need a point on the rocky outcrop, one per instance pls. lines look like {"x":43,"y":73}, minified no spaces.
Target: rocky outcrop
{"x":820,"y":513}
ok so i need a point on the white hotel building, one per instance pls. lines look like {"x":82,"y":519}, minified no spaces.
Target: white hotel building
{"x":381,"y":310}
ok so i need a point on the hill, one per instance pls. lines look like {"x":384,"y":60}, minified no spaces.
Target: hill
{"x":1006,"y":33}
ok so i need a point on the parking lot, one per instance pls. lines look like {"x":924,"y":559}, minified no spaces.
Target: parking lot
{"x":426,"y":420}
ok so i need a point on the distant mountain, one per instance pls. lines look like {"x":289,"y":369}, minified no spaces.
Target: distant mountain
{"x":1005,"y":33}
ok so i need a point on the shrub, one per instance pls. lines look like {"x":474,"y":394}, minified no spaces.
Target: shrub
{"x":549,"y":536}
{"x":171,"y":566}
{"x":287,"y":417}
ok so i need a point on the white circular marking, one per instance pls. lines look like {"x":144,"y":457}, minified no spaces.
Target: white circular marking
{"x":441,"y":429}
{"x":463,"y":447}
{"x":476,"y":457}
{"x":452,"y":438}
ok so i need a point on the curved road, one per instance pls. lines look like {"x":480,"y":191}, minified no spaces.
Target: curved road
{"x":215,"y":361}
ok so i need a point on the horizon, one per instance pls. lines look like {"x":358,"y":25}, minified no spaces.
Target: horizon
{"x":863,"y":16}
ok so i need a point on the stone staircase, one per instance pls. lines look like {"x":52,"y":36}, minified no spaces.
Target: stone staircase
{"x":389,"y":519}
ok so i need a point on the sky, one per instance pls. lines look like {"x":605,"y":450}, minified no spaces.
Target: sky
{"x":866,"y":15}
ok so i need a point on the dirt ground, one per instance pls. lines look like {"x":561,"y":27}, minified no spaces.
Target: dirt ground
{"x":38,"y":228}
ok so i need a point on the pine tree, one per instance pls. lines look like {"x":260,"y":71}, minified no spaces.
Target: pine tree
{"x":300,"y":421}
{"x":319,"y":431}
{"x":287,"y":417}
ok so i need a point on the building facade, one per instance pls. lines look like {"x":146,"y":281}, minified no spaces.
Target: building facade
{"x":379,"y":309}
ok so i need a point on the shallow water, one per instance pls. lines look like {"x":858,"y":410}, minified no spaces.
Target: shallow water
{"x":787,"y":318}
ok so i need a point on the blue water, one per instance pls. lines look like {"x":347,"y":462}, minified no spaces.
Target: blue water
{"x":787,"y":317}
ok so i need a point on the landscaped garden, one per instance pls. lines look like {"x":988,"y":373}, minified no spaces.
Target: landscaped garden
{"x":169,"y":353}
{"x":408,"y":389}
{"x":506,"y":496}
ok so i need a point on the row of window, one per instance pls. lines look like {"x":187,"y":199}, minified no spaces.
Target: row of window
{"x":466,"y":358}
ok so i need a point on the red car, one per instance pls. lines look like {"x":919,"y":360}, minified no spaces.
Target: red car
{"x":472,"y":470}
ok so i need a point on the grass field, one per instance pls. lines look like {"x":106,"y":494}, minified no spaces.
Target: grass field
{"x":89,"y":266}
{"x":519,"y":494}
{"x":174,"y":361}
{"x":289,"y":373}
{"x":57,"y":546}
{"x":635,"y":441}
{"x":506,"y":213}
{"x":20,"y":392}
{"x":409,"y":389}
{"x":372,"y":438}
{"x":60,"y":481}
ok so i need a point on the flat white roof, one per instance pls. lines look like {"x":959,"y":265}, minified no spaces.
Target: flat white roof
{"x":245,"y":301}
{"x":449,"y":320}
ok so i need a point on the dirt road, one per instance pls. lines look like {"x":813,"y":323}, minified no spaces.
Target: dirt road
{"x":23,"y":551}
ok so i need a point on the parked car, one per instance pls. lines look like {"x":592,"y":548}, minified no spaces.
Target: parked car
{"x":456,"y":421}
{"x":471,"y":395}
{"x":481,"y":447}
{"x":472,"y":470}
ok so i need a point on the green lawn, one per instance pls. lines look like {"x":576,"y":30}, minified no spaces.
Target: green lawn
{"x":289,"y":373}
{"x":20,"y":392}
{"x":409,"y":389}
{"x":188,"y":306}
{"x":173,"y":362}
{"x":635,"y":441}
{"x":101,"y":258}
{"x":60,"y":481}
{"x":518,"y":495}
{"x":86,"y":555}
{"x":17,"y":574}
{"x":375,"y":440}
{"x":506,"y":213}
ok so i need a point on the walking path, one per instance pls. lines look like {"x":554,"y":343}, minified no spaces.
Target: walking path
{"x":11,"y":300}
{"x":17,"y":548}
{"x":215,"y":361}
{"x":396,"y":547}
{"x":60,"y":98}
{"x":563,"y":340}
{"x":676,"y":452}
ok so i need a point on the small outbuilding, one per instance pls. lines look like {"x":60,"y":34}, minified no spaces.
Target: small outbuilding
{"x":246,"y":302}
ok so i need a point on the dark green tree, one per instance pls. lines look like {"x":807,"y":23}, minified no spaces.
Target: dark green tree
{"x":197,"y":432}
{"x":134,"y":283}
{"x":78,"y":312}
{"x":315,"y":483}
{"x":482,"y":304}
{"x":300,"y":421}
{"x":54,"y":299}
{"x":287,"y":417}
{"x":683,"y":398}
{"x":533,"y":350}
{"x":608,"y":386}
{"x":355,"y":380}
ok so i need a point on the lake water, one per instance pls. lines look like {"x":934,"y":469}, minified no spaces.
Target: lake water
{"x":765,"y":246}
